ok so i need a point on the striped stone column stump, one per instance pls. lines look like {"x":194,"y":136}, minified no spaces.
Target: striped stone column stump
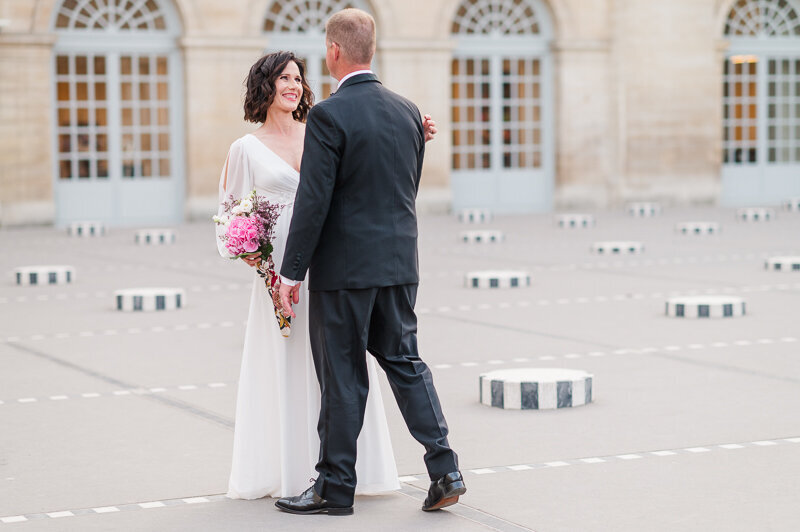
{"x":497,"y":279}
{"x":39,"y":275}
{"x":482,"y":237}
{"x":783,"y":264}
{"x":154,"y":236}
{"x":474,"y":216}
{"x":644,"y":209}
{"x":792,"y":204}
{"x":536,"y":388}
{"x":755,"y":214}
{"x":575,"y":220}
{"x":698,"y":228}
{"x":710,"y":306}
{"x":149,"y":299}
{"x":618,"y":248}
{"x":86,"y":229}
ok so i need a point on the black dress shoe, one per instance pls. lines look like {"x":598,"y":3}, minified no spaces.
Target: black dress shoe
{"x":444,"y":492}
{"x":309,"y":502}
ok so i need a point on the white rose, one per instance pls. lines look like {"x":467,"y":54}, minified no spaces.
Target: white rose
{"x":238,"y":209}
{"x":246,"y":205}
{"x":224,"y":219}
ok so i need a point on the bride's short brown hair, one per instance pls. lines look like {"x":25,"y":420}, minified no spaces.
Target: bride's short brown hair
{"x":260,"y":85}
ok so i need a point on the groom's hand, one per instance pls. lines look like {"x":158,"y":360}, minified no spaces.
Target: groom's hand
{"x":289,"y":295}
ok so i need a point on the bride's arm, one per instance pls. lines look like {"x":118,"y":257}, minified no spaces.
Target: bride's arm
{"x":235,"y":180}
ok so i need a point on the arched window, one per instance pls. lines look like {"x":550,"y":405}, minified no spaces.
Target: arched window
{"x":501,"y":106}
{"x":761,"y":102}
{"x":118,"y":141}
{"x":299,"y":26}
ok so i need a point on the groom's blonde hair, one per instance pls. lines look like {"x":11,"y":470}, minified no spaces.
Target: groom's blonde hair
{"x":354,"y":31}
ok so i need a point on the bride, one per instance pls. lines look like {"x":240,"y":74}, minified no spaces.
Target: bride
{"x":275,"y":444}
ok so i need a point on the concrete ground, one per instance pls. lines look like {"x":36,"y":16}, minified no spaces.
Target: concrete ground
{"x":121,"y":421}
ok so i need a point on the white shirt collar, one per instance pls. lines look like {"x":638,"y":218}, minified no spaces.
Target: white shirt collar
{"x":351,"y":74}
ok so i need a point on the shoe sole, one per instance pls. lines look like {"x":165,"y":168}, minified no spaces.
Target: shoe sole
{"x":329,"y":511}
{"x":450,"y":498}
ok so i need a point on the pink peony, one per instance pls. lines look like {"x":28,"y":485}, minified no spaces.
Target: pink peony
{"x":242,"y":235}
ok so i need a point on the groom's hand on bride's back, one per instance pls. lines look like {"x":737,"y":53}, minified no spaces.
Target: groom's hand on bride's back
{"x":289,"y":295}
{"x":430,"y":127}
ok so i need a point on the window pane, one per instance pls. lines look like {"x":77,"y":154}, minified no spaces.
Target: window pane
{"x":62,"y":65}
{"x":81,"y":67}
{"x":64,"y":143}
{"x":63,"y":117}
{"x":83,"y":169}
{"x":65,"y":169}
{"x":99,"y":65}
{"x":63,"y":91}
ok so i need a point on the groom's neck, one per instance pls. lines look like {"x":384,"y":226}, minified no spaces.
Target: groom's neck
{"x":349,"y":69}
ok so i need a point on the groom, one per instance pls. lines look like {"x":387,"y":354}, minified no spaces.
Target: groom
{"x":355,"y":228}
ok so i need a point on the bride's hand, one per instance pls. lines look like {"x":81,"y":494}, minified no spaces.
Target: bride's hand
{"x":430,"y":127}
{"x":252,"y":260}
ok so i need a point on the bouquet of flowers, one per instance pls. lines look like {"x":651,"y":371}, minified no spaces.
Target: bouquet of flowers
{"x":249,"y":223}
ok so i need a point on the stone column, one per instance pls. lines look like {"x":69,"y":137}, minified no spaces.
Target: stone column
{"x":26,"y":122}
{"x":668,"y":101}
{"x":585,"y":123}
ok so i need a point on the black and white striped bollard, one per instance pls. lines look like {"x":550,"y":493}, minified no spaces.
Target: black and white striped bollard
{"x":709,"y":306}
{"x":42,"y":275}
{"x":497,"y":279}
{"x":536,"y":388}
{"x":149,"y":299}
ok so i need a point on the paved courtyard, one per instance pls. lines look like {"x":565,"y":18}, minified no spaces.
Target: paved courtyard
{"x":124,"y":421}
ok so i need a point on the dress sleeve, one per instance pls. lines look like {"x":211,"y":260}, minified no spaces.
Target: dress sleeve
{"x":235,"y":180}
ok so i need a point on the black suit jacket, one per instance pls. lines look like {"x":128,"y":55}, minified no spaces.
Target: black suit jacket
{"x":354,"y":222}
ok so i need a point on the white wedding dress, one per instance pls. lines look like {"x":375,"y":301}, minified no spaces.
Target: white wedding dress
{"x":275,"y":443}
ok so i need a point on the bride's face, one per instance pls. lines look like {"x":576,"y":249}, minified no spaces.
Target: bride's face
{"x":288,"y":88}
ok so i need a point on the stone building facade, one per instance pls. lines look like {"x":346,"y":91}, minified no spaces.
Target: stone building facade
{"x":123,"y":110}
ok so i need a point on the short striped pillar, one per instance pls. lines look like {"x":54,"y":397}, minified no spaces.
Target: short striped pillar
{"x":474,"y":216}
{"x":617,"y":248}
{"x":755,"y":214}
{"x":569,"y":221}
{"x":149,"y":299}
{"x":86,"y":229}
{"x":482,"y":237}
{"x":705,"y":307}
{"x":154,"y":236}
{"x":497,"y":279}
{"x":697,"y":228}
{"x":644,"y":209}
{"x":536,"y":388}
{"x":39,"y":275}
{"x":782,"y":264}
{"x":792,"y":204}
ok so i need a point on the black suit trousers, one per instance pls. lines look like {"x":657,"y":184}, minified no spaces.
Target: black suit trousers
{"x":344,"y":325}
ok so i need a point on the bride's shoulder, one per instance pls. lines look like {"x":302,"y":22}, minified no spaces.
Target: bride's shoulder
{"x":241,"y":144}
